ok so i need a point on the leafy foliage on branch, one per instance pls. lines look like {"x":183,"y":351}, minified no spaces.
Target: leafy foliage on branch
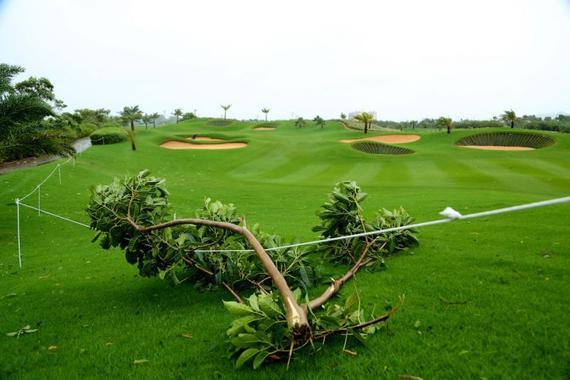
{"x":259,"y":333}
{"x":342,"y":215}
{"x":179,"y":254}
{"x":214,"y":249}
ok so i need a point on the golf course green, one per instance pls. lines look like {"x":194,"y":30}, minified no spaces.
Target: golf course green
{"x":484,"y":298}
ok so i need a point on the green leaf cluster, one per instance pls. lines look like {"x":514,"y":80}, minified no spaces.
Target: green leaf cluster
{"x":181,"y":253}
{"x":342,"y":215}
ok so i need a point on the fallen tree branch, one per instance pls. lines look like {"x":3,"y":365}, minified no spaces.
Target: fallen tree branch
{"x":296,"y":315}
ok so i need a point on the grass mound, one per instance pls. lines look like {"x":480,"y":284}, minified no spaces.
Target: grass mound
{"x":514,"y":139}
{"x":379,"y":148}
{"x":108,"y":135}
{"x":219,"y":122}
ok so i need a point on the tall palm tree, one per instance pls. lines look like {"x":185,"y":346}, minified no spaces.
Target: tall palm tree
{"x":365,"y":118}
{"x":129,"y":116}
{"x":226,"y":108}
{"x":178,"y":113}
{"x":265,"y":111}
{"x":446,"y":122}
{"x":509,"y":117}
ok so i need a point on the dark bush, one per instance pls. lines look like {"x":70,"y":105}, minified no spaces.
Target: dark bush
{"x":109,"y":135}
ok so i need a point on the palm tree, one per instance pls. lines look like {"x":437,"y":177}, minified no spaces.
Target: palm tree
{"x":446,"y":122}
{"x":300,"y":122}
{"x":153,"y":117}
{"x":146,"y":119}
{"x":319,"y":121}
{"x":509,"y":117}
{"x":226,"y":108}
{"x":265,"y":111}
{"x":178,"y":113}
{"x":130,"y":115}
{"x":17,"y":108}
{"x":365,"y":118}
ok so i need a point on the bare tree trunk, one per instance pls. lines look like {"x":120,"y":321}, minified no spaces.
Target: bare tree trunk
{"x":365,"y":127}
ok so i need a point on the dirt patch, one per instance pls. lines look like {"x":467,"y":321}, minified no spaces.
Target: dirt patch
{"x":185,"y":145}
{"x":263,"y":129}
{"x":386,"y":139}
{"x":204,"y":138}
{"x":497,"y":147}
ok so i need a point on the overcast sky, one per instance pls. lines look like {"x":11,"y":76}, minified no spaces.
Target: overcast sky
{"x":403,"y":59}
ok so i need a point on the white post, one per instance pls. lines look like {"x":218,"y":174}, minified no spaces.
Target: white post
{"x":59,"y":172}
{"x":39,"y":200}
{"x":18,"y":220}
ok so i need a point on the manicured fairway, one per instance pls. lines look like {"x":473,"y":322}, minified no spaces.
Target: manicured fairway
{"x":486,"y":298}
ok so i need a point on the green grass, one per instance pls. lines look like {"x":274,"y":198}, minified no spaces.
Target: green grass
{"x":508,"y":275}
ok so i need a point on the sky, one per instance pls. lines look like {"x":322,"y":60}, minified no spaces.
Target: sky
{"x":405,"y":60}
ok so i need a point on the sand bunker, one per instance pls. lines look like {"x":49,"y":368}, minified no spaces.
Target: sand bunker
{"x":264,"y":129}
{"x":386,"y":139}
{"x":497,"y":147}
{"x":184,"y":145}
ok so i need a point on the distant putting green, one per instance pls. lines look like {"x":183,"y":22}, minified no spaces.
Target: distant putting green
{"x":485,"y":298}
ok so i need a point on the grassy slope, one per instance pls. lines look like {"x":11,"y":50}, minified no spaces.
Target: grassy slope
{"x":102,"y":316}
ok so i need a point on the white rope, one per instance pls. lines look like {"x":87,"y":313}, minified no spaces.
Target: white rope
{"x":45,"y":179}
{"x":451,"y":214}
{"x":54,"y":215}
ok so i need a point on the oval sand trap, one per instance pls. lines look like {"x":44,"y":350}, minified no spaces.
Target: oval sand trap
{"x":497,"y":147}
{"x":386,"y":139}
{"x":184,"y":145}
{"x":264,"y":129}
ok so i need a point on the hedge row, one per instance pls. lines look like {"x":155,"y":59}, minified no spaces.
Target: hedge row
{"x":109,"y":135}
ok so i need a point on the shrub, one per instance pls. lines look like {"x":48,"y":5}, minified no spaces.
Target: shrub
{"x":109,"y":135}
{"x":473,"y":124}
{"x":85,"y":129}
{"x":34,"y":141}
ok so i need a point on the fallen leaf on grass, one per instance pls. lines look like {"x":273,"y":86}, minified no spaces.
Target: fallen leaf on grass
{"x":140,"y":361}
{"x":409,"y":377}
{"x":109,"y":344}
{"x":52,"y":348}
{"x":187,"y":335}
{"x":24,"y":330}
{"x":349,"y":352}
